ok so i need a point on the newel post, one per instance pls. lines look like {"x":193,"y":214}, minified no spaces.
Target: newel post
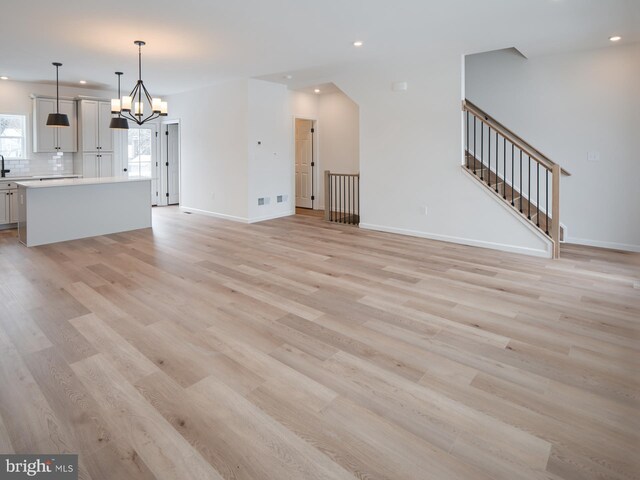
{"x":327,"y":195}
{"x":555,"y":216}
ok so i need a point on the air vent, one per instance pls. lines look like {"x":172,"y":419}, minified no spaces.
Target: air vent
{"x":279,"y":199}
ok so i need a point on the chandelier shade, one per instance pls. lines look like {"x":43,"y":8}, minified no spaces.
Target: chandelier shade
{"x":118,"y":123}
{"x":57,"y":119}
{"x":131,"y":107}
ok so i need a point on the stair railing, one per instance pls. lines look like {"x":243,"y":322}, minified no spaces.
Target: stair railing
{"x":515,"y":170}
{"x":342,"y":197}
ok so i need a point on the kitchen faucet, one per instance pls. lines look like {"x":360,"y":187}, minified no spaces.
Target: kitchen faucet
{"x":3,"y":172}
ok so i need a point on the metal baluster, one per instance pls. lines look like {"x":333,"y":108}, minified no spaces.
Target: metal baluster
{"x":497,"y":161}
{"x":512,"y":168}
{"x":520,"y":181}
{"x":504,"y":169}
{"x":358,"y":197}
{"x":344,"y":200}
{"x":538,"y":195}
{"x":481,"y":150}
{"x":489,"y":169}
{"x":546,"y":203}
{"x":330,"y":199}
{"x":529,"y":194}
{"x":349,"y":199}
{"x":466,"y":153}
{"x":474,"y":145}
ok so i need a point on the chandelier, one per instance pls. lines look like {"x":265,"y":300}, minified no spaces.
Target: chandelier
{"x":137,"y":97}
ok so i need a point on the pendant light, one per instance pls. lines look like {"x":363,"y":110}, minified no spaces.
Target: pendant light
{"x":137,"y":97}
{"x":57,"y":119}
{"x":118,"y":123}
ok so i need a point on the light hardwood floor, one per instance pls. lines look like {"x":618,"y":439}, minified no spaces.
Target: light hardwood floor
{"x":297,"y":349}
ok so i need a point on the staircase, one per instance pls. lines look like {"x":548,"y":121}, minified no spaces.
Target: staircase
{"x":514,"y":171}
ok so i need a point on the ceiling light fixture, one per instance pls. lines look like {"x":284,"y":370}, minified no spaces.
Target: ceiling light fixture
{"x":118,"y":123}
{"x":288,"y":77}
{"x":317,"y":90}
{"x":57,"y":119}
{"x":158,"y":107}
{"x":83,"y":82}
{"x":615,"y":38}
{"x":4,"y":78}
{"x":358,"y":43}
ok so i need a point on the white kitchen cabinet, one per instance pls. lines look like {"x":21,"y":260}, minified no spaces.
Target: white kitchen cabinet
{"x":8,"y":206}
{"x":4,"y":207}
{"x":13,"y":206}
{"x":94,"y":120}
{"x":54,"y":139}
{"x":96,"y":165}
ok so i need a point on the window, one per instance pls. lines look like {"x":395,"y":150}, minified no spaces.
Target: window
{"x":139,"y":152}
{"x":13,"y":136}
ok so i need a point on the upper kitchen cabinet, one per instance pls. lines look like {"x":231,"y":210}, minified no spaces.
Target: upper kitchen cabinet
{"x":94,"y":119}
{"x":54,"y":139}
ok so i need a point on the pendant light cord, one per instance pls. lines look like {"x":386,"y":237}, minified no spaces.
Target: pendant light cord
{"x":57,"y":91}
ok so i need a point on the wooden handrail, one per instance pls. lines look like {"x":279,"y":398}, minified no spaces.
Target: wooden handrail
{"x":538,"y":156}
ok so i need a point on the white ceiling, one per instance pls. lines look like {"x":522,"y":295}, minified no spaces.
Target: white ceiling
{"x":192,"y":43}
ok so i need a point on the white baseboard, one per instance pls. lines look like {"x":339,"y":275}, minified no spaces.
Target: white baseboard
{"x":534,"y":252}
{"x":610,"y":245}
{"x":270,"y":217}
{"x":236,"y":218}
{"x":215,"y":214}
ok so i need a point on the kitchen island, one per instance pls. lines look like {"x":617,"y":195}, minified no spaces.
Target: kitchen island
{"x":60,"y":210}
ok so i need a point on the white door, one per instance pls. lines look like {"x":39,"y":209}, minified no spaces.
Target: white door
{"x":304,"y":155}
{"x":46,"y":137}
{"x":105,"y":134}
{"x":142,"y":156}
{"x":105,"y":164}
{"x":90,"y":141}
{"x":4,"y":207}
{"x":66,"y":139}
{"x":90,"y":165}
{"x":172,"y":164}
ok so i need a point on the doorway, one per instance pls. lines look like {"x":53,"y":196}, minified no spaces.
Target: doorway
{"x":142,"y":156}
{"x":305,"y":164}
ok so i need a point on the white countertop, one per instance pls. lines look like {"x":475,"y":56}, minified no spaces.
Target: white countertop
{"x":24,"y":178}
{"x":71,"y":182}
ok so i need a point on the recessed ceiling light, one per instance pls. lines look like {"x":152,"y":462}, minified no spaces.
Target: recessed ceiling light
{"x":317,"y":90}
{"x":4,"y":78}
{"x":358,"y":43}
{"x":288,"y":77}
{"x":615,"y":38}
{"x":83,"y":82}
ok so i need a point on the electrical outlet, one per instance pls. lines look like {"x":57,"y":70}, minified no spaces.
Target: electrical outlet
{"x":425,"y":210}
{"x":593,"y":156}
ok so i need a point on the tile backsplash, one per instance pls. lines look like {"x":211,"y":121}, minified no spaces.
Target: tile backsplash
{"x":41,"y":164}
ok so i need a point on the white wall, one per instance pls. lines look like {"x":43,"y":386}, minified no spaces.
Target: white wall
{"x":270,"y":172}
{"x":410,"y":156}
{"x":223,"y":169}
{"x":337,"y":133}
{"x":567,"y":106}
{"x":15,"y":99}
{"x":339,"y":137}
{"x":214,"y":149}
